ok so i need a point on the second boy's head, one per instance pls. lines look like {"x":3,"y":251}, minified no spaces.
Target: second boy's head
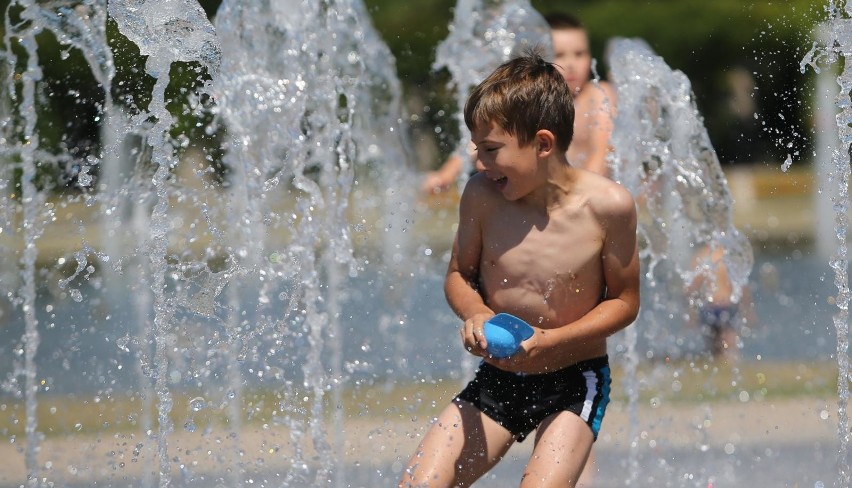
{"x":523,"y":96}
{"x":571,"y":49}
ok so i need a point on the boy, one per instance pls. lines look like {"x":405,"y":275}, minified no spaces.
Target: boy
{"x":553,"y":245}
{"x":594,"y":102}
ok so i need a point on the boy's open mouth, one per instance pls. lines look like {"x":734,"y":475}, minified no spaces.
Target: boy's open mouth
{"x":500,"y":182}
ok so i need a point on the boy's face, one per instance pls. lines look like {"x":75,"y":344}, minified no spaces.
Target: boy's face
{"x":513,"y":169}
{"x":573,"y":58}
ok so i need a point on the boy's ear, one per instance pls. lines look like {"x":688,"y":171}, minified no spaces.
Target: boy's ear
{"x":545,"y":142}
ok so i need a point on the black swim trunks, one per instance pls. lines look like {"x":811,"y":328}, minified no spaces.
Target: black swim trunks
{"x":519,"y":402}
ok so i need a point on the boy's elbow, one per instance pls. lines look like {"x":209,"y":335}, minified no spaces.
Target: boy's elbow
{"x":633,"y":313}
{"x":447,"y":289}
{"x":632,"y":308}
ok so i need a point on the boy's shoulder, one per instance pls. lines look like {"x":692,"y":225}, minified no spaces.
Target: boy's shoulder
{"x":479,"y":192}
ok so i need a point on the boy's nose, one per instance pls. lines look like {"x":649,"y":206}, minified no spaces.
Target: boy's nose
{"x":478,"y":165}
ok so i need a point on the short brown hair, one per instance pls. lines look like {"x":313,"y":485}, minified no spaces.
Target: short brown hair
{"x":563,"y":21}
{"x":522,"y":96}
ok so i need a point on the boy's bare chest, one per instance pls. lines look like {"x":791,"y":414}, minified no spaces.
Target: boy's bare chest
{"x":549,"y":272}
{"x":565,"y":246}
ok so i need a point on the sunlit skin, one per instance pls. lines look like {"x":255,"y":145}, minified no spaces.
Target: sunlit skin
{"x":594,"y":102}
{"x":556,"y":246}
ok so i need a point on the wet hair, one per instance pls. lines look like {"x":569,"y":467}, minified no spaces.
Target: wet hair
{"x":524,"y":95}
{"x":563,"y":21}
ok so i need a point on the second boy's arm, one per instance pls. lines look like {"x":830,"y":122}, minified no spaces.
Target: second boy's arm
{"x":600,"y":129}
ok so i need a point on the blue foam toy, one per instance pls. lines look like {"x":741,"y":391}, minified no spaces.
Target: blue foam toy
{"x":504,"y":333}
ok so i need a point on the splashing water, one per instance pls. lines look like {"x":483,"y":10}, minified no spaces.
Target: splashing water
{"x":153,"y":26}
{"x":83,"y":27}
{"x":837,"y":38}
{"x":332,"y":109}
{"x":663,"y":155}
{"x":236,"y":275}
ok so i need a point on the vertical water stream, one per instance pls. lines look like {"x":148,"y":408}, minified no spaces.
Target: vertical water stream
{"x":836,"y":47}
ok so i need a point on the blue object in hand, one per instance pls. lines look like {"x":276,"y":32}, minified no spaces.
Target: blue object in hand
{"x":504,"y":333}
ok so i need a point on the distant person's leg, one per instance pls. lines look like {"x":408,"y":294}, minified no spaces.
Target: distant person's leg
{"x":460,"y":447}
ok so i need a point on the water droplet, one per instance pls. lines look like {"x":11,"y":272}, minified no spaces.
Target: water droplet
{"x":76,"y":295}
{"x":787,"y":163}
{"x":197,"y":403}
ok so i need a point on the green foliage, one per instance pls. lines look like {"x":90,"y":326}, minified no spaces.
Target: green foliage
{"x":412,"y":32}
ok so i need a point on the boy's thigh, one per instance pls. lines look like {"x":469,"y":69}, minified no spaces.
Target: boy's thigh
{"x":461,"y":446}
{"x":562,"y":445}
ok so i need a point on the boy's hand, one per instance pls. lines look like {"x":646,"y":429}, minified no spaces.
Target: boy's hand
{"x":473,"y":334}
{"x":526,"y":360}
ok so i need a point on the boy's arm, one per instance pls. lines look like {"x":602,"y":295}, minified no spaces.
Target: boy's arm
{"x":561,"y":347}
{"x":443,"y":177}
{"x":600,"y":129}
{"x":462,"y":281}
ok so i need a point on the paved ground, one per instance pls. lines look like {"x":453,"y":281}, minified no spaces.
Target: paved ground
{"x":759,"y":443}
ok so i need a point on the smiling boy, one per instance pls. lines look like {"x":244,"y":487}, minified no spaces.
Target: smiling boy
{"x":554,"y":245}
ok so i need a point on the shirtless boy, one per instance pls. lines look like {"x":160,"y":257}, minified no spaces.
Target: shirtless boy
{"x":594,"y":101}
{"x":553,"y":245}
